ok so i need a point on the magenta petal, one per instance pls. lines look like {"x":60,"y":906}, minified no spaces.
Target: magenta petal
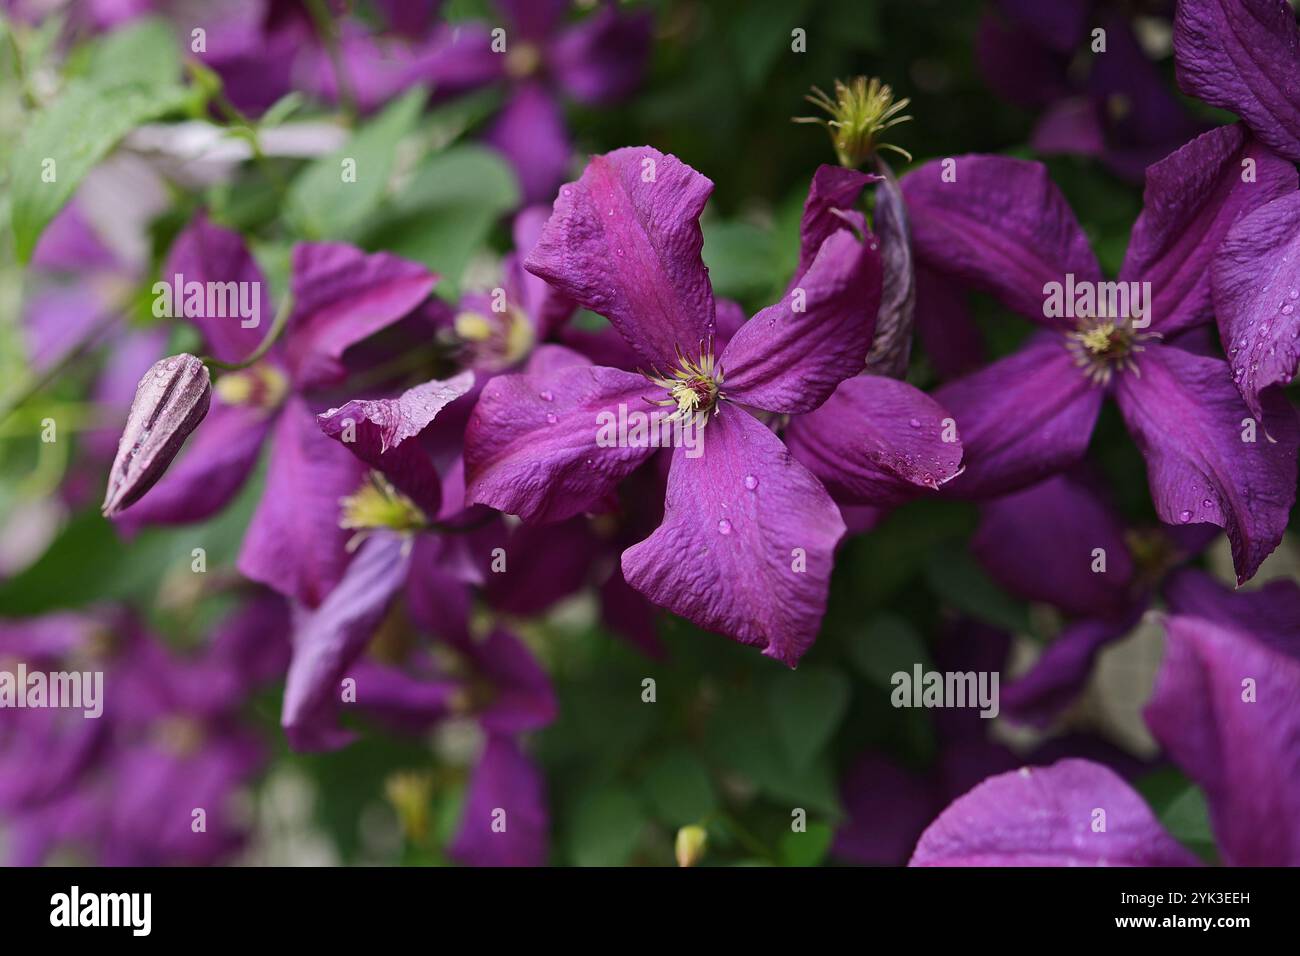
{"x":531,"y":445}
{"x":1226,"y":707}
{"x":1271,"y":612}
{"x":408,"y":703}
{"x":876,"y":441}
{"x":205,"y":253}
{"x":544,"y":306}
{"x":833,"y":188}
{"x":377,"y":432}
{"x":603,"y":58}
{"x":1021,"y":419}
{"x":522,"y":697}
{"x":1192,"y":199}
{"x":545,"y":563}
{"x":294,"y":543}
{"x":746,"y":543}
{"x":1002,"y":226}
{"x":625,"y":241}
{"x":944,"y":325}
{"x":1256,"y":277}
{"x":341,"y":295}
{"x":1189,"y":422}
{"x":438,"y":598}
{"x":332,"y":637}
{"x":1059,"y":675}
{"x":1043,"y":816}
{"x":1041,"y":544}
{"x":210,"y":472}
{"x":1244,"y":56}
{"x":790,"y":357}
{"x":531,"y":134}
{"x":888,"y":809}
{"x":506,"y":788}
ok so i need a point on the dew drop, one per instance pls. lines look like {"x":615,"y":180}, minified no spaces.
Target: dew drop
{"x":751,"y":482}
{"x":547,"y":396}
{"x":1185,"y":517}
{"x":1293,"y":294}
{"x":915,"y":423}
{"x":1288,"y":309}
{"x":551,"y":419}
{"x":1207,"y":503}
{"x":724,"y":526}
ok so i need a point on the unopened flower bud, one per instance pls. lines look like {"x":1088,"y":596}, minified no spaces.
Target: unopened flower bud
{"x":169,"y":403}
{"x":691,"y":843}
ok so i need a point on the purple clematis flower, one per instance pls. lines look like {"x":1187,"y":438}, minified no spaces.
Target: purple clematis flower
{"x":1244,"y":55}
{"x":1223,"y":709}
{"x":1001,"y":226}
{"x":748,"y":533}
{"x":341,"y":296}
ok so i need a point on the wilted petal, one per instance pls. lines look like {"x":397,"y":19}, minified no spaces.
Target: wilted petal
{"x":294,"y":543}
{"x":170,"y":401}
{"x":208,"y":253}
{"x":1256,"y":277}
{"x":789,"y":357}
{"x":332,"y":637}
{"x":531,"y":134}
{"x":1001,"y":225}
{"x":1042,"y":544}
{"x":1021,"y":419}
{"x":1044,"y":817}
{"x":1192,"y":199}
{"x":505,"y":780}
{"x":625,"y":241}
{"x":1226,"y":707}
{"x":747,"y":541}
{"x":531,"y":445}
{"x":876,"y":441}
{"x":891,"y":346}
{"x":377,"y":432}
{"x":603,"y":58}
{"x":1192,"y":426}
{"x":1244,"y":56}
{"x":341,"y":295}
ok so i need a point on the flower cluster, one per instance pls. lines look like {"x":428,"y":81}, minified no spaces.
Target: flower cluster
{"x":513,"y":457}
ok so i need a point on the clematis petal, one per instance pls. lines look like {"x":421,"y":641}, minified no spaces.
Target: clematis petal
{"x":1205,"y":462}
{"x":533,"y":21}
{"x":1021,"y":419}
{"x":294,"y":543}
{"x":1226,"y":707}
{"x":504,"y":780}
{"x":747,"y":541}
{"x":888,"y":809}
{"x":546,"y":563}
{"x":603,"y":57}
{"x":1256,"y":279}
{"x":1192,"y":199}
{"x":531,"y":134}
{"x":624,"y":241}
{"x":891,"y":345}
{"x":1044,"y":817}
{"x":833,"y":188}
{"x":876,"y":441}
{"x":208,"y":253}
{"x":407,"y":703}
{"x":790,"y":357}
{"x":1042,"y":544}
{"x":545,"y":308}
{"x":945,"y":327}
{"x":1271,"y":613}
{"x":532,"y":448}
{"x":1000,"y":225}
{"x":522,"y":696}
{"x":1060,"y":673}
{"x":1244,"y":56}
{"x":341,"y":295}
{"x":378,"y":432}
{"x":438,"y":598}
{"x":329,"y":639}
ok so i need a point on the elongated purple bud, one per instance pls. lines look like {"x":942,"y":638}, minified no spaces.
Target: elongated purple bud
{"x":169,"y":403}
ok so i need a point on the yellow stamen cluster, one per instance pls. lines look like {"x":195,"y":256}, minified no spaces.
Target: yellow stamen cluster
{"x":377,"y":504}
{"x":261,"y":386}
{"x":861,"y":110}
{"x":1103,"y":347}
{"x":495,"y":341}
{"x":695,"y":386}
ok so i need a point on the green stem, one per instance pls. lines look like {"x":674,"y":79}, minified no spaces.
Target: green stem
{"x":328,"y":32}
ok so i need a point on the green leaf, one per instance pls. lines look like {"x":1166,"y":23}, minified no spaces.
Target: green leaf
{"x":957,"y":580}
{"x":678,"y":787}
{"x":604,"y":827}
{"x":808,"y":848}
{"x":75,"y":131}
{"x":145,"y":52}
{"x":322,"y":204}
{"x":444,"y":214}
{"x":888,"y":645}
{"x":1181,"y":808}
{"x":805,"y":707}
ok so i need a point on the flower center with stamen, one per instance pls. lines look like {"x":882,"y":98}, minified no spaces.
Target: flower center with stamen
{"x":1101,"y":347}
{"x":494,"y":340}
{"x":377,"y":504}
{"x":522,"y":61}
{"x":694,"y":387}
{"x":262,"y":386}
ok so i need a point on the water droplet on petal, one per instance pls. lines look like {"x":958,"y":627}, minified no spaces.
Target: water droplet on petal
{"x":1207,"y":503}
{"x":551,"y":419}
{"x":915,"y":423}
{"x":1185,"y":517}
{"x":547,"y":396}
{"x":751,"y":482}
{"x":724,"y":526}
